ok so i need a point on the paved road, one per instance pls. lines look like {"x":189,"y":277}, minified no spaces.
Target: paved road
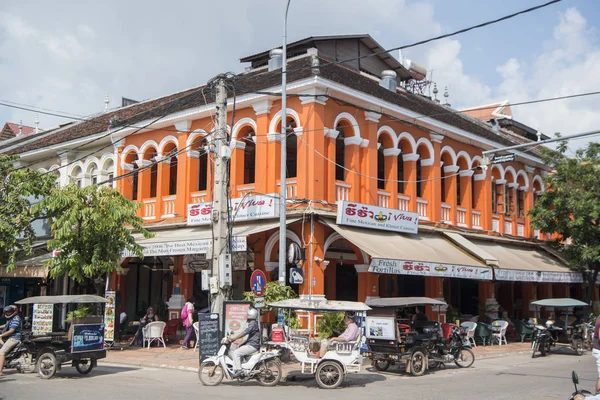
{"x":512,"y":377}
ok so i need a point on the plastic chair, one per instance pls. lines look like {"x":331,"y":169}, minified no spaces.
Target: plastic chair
{"x":483,"y":332}
{"x":197,"y":332}
{"x":154,"y":331}
{"x":470,"y":328}
{"x":523,"y":330}
{"x":499,"y":331}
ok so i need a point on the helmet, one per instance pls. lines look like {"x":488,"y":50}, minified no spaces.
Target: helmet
{"x":10,"y":311}
{"x":252,"y":314}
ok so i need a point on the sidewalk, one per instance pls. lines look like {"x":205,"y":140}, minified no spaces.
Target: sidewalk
{"x":174,"y":357}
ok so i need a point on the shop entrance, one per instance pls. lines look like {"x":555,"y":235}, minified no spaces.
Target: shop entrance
{"x":346,"y":282}
{"x":462,"y":295}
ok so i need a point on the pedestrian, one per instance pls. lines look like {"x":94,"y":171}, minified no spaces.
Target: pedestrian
{"x":187,"y":315}
{"x":596,"y":350}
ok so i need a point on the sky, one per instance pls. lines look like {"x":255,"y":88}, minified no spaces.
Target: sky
{"x":65,"y":56}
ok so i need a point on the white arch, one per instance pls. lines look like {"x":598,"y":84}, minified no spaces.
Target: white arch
{"x":466,"y":156}
{"x":277,"y":117}
{"x":449,"y":150}
{"x":525,"y":177}
{"x":511,"y":170}
{"x":105,"y":159}
{"x":88,"y":163}
{"x":389,"y":131}
{"x":482,"y":171}
{"x":193,"y":136}
{"x":336,"y":236}
{"x":146,"y":145}
{"x":275,"y":238}
{"x":538,"y":178}
{"x":411,"y":140}
{"x":499,"y":168}
{"x":429,"y":146}
{"x":240,"y":124}
{"x":54,"y":167}
{"x":350,"y":119}
{"x":42,"y":170}
{"x":166,"y":140}
{"x":78,"y":164}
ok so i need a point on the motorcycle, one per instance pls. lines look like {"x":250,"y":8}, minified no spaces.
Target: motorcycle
{"x":21,"y":357}
{"x":575,"y":380}
{"x":263,"y":366}
{"x":541,"y":340}
{"x":456,"y":349}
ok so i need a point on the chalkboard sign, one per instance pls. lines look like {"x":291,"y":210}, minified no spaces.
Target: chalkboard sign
{"x":208,"y":327}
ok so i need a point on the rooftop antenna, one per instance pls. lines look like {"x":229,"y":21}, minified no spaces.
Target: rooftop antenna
{"x":435,"y":92}
{"x":446,"y":95}
{"x":20,"y":127}
{"x":37,"y":123}
{"x":106,"y":102}
{"x":539,"y":136}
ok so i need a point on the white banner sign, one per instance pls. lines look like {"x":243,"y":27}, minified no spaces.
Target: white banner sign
{"x":402,"y":267}
{"x":537,"y":276}
{"x":381,"y":328}
{"x":368,"y":216}
{"x":185,"y":247}
{"x":253,"y":207}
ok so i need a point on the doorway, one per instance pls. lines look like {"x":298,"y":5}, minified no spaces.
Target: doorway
{"x":346,"y":282}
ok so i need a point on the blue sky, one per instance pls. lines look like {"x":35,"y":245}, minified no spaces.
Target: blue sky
{"x":67,"y":58}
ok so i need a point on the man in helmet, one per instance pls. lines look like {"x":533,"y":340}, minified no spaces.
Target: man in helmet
{"x":11,"y":333}
{"x":250,"y":346}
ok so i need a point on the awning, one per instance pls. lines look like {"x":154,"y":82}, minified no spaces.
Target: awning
{"x":24,"y":272}
{"x":65,"y":299}
{"x":520,"y":263}
{"x":422,"y":254}
{"x":182,"y":241}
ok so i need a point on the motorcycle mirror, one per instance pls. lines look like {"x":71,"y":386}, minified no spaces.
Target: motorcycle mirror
{"x":575,"y":379}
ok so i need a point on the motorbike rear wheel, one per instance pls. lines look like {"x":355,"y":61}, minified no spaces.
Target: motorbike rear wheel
{"x":329,"y":375}
{"x":417,"y":363}
{"x":579,"y":347}
{"x":210,"y":374}
{"x":270,"y":373}
{"x":26,"y":364}
{"x":465,"y":358}
{"x":545,"y":347}
{"x":382,"y":365}
{"x":47,"y":366}
{"x":84,"y":367}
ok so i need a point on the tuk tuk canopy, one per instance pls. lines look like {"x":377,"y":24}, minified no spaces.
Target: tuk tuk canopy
{"x":565,"y":302}
{"x":320,"y":305}
{"x":404,"y":302}
{"x":65,"y":299}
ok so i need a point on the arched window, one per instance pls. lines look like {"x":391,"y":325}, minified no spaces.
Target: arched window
{"x":134,"y":181}
{"x":291,"y":149}
{"x":473,"y":192}
{"x":458,"y":192}
{"x":173,"y":173}
{"x":202,"y":165}
{"x":340,"y":155}
{"x":380,"y":166}
{"x":419,"y":178}
{"x":443,"y":184}
{"x":401,"y":174}
{"x":153,"y":174}
{"x":250,"y":158}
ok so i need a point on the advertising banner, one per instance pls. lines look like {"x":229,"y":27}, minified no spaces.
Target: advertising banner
{"x":381,"y":328}
{"x":235,"y":317}
{"x":403,"y":267}
{"x":250,"y":208}
{"x":537,"y":276}
{"x":109,"y":316}
{"x":184,"y":247}
{"x":87,"y":337}
{"x":373,"y":217}
{"x":42,"y":319}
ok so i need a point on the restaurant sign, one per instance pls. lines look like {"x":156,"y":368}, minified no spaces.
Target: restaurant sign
{"x":537,"y":276}
{"x":403,"y":267}
{"x":242,"y":209}
{"x":184,"y":247}
{"x":368,"y":216}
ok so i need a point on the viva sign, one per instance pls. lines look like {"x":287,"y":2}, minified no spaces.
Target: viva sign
{"x":243,"y":209}
{"x":367,"y":216}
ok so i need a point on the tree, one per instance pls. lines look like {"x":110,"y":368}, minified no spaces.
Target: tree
{"x":17,"y":188}
{"x":570,"y":208}
{"x":91,"y":227}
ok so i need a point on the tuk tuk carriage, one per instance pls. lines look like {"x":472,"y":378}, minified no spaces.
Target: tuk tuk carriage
{"x":547,"y":336}
{"x":421,"y":345}
{"x":341,"y":358}
{"x":80,"y":347}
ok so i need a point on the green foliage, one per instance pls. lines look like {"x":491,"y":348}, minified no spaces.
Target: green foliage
{"x":570,"y":207}
{"x":17,"y":187}
{"x":330,"y":323}
{"x":91,"y":227}
{"x":79,"y":313}
{"x":276,"y":292}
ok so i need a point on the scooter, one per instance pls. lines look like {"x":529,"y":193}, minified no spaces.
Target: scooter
{"x":21,"y":357}
{"x":264,"y":366}
{"x":575,"y":380}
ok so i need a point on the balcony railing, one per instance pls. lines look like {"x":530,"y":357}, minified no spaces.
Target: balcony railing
{"x":291,"y":188}
{"x":496,"y":223}
{"x":476,"y":218}
{"x":198,"y":197}
{"x":422,"y":205}
{"x":149,"y":207}
{"x":446,"y":209}
{"x":169,"y":206}
{"x":383,"y":199}
{"x":403,"y":202}
{"x":461,"y":216}
{"x":342,"y":191}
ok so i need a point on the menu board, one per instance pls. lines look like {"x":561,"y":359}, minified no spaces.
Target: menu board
{"x":87,"y":337}
{"x":235,"y":317}
{"x":381,"y":328}
{"x":109,"y":316}
{"x":208,"y":329}
{"x":42,"y":319}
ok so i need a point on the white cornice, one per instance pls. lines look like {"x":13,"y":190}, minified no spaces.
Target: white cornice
{"x":143,"y":163}
{"x":372,"y":116}
{"x":436,"y":138}
{"x":183,"y":126}
{"x":364,"y":143}
{"x":427,"y":163}
{"x":262,"y":107}
{"x":274,"y":137}
{"x":529,"y":169}
{"x":313,"y":95}
{"x":331,"y":133}
{"x":451,"y":169}
{"x":298,"y":131}
{"x":353,"y":141}
{"x":411,"y":157}
{"x":467,"y":173}
{"x":480,"y":177}
{"x":391,"y":152}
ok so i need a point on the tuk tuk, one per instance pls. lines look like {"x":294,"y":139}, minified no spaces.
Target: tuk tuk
{"x":547,"y":336}
{"x":392,"y":338}
{"x":81,"y":346}
{"x":340,"y":359}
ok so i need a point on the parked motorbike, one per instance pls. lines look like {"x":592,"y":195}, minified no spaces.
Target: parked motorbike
{"x":456,"y":349}
{"x":21,"y":357}
{"x":263,"y":366}
{"x":546,"y":337}
{"x":575,"y":380}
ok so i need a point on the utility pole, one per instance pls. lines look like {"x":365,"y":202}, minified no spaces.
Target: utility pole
{"x":221,"y":260}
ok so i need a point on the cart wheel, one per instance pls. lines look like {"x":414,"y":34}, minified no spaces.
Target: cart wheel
{"x":434,"y":364}
{"x":47,"y":365}
{"x":579,"y":347}
{"x":84,"y":367}
{"x":545,"y":347}
{"x":382,"y":365}
{"x":329,"y":375}
{"x":270,"y":373}
{"x":210,"y":374}
{"x":417,"y":363}
{"x":465,"y":358}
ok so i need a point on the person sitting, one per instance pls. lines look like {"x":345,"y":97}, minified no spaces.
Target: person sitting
{"x":419,"y":319}
{"x":351,"y":334}
{"x":145,"y":320}
{"x":250,"y":346}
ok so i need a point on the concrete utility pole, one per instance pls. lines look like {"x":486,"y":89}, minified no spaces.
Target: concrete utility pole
{"x":220,"y":250}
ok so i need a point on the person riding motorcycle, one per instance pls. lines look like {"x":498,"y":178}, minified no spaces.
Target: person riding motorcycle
{"x":250,"y":346}
{"x":11,"y":333}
